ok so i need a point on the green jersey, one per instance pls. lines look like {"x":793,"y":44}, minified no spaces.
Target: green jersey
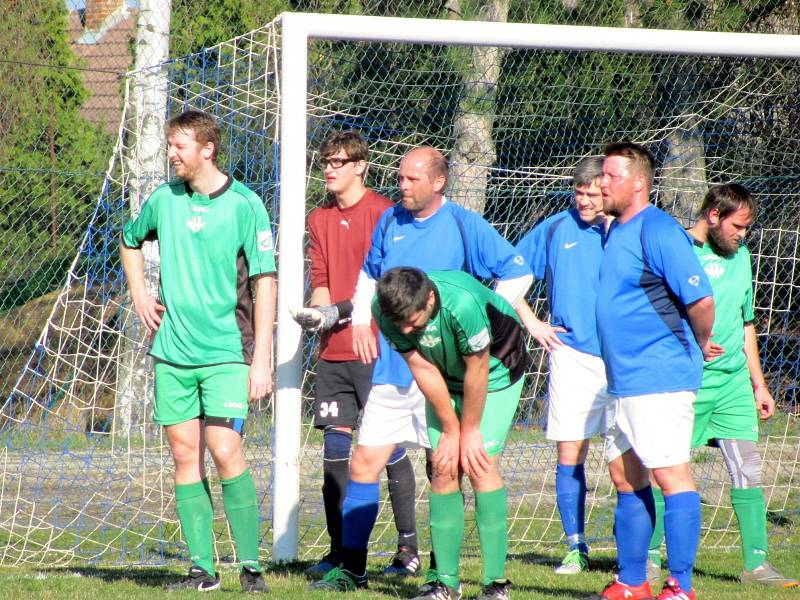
{"x":468,"y":318}
{"x":210,"y":246}
{"x":732,"y":281}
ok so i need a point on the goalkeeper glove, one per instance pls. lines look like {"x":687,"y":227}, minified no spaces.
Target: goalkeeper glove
{"x":316,"y":318}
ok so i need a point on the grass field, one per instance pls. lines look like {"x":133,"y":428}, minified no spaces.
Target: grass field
{"x":532,"y":575}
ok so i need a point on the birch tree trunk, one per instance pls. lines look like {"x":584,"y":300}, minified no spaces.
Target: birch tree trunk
{"x":145,"y":168}
{"x":473,"y":151}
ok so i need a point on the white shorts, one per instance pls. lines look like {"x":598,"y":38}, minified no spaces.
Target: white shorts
{"x":579,"y":405}
{"x":394,"y":415}
{"x":657,"y":426}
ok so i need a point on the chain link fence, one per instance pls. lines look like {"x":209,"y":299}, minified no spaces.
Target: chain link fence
{"x":518,"y":119}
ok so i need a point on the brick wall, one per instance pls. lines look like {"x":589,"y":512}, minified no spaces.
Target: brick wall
{"x":98,"y":10}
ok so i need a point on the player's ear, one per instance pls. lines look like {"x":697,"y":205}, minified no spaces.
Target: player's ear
{"x":208,"y":150}
{"x":713,"y":216}
{"x":638,"y":183}
{"x":439,"y":183}
{"x":361,"y":168}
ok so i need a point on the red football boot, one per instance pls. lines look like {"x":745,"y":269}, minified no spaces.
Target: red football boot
{"x":672,"y":591}
{"x":617,"y":590}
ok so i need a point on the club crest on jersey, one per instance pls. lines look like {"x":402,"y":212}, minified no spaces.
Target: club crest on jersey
{"x":265,"y":241}
{"x":694,"y":280}
{"x":195,"y":223}
{"x":429,"y":340}
{"x":715,"y":270}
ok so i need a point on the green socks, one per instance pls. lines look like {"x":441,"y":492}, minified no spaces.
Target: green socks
{"x":491,"y":510}
{"x":241,"y":509}
{"x":654,"y":553}
{"x":751,"y":511}
{"x":447,"y":533}
{"x":196,"y":514}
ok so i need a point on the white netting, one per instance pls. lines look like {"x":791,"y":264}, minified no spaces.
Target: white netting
{"x":86,"y":475}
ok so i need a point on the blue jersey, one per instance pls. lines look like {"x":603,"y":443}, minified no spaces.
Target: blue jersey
{"x":566,"y":252}
{"x":648,"y":275}
{"x":452,"y":239}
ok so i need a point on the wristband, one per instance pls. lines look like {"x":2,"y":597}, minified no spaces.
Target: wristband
{"x":759,"y":385}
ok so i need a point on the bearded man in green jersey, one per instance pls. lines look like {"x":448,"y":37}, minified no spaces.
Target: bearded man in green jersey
{"x":212,"y":344}
{"x":734,"y":393}
{"x":465,"y":347}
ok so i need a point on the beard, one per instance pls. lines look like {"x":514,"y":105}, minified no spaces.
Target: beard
{"x":720,"y":245}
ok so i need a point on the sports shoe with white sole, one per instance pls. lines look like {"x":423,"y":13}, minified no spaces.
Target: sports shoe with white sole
{"x":574,"y":562}
{"x":438,"y":590}
{"x":405,"y":563}
{"x":326,"y":563}
{"x":197,"y":579}
{"x":768,"y":575}
{"x":252,"y":581}
{"x":497,"y":590}
{"x":340,"y":580}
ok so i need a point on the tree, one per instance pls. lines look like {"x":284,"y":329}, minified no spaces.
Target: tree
{"x":51,"y":160}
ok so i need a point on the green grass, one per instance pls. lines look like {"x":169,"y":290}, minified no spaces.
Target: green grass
{"x":532,"y":575}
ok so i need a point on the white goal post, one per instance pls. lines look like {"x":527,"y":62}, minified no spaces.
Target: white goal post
{"x":297,"y":30}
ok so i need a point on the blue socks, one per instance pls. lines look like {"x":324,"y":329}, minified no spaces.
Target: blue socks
{"x":682,"y":531}
{"x":633,"y":528}
{"x":359,"y":512}
{"x":571,"y":500}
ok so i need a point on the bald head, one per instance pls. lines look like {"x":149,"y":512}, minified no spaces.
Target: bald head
{"x":429,"y":160}
{"x":422,"y":179}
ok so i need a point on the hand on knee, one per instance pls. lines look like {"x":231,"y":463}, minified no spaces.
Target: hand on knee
{"x":444,"y":484}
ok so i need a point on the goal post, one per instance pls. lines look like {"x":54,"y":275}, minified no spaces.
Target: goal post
{"x":297,"y":30}
{"x":82,"y":482}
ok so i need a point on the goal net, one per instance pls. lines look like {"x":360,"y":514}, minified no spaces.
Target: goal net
{"x":86,"y":475}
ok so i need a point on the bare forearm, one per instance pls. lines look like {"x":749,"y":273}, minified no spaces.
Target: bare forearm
{"x":476,"y":381}
{"x":751,"y":353}
{"x":133,"y":264}
{"x":433,"y":387}
{"x":530,"y":321}
{"x":701,"y":319}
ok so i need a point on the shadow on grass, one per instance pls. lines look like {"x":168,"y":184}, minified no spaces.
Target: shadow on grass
{"x":599,"y":563}
{"x":145,"y":576}
{"x":710,"y":573}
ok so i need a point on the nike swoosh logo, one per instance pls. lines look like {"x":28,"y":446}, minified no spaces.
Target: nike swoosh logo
{"x":570,"y":245}
{"x":397,"y":238}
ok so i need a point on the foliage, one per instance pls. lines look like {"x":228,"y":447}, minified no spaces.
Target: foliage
{"x":195,"y":26}
{"x":51,"y":158}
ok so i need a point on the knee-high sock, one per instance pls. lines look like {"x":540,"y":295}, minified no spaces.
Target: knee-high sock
{"x":241,"y":508}
{"x":682,"y":530}
{"x":571,"y":500}
{"x":751,"y":512}
{"x":335,"y":473}
{"x":196,"y":514}
{"x":633,"y":527}
{"x":447,"y":533}
{"x":491,"y":510}
{"x":403,"y":493}
{"x":429,"y":475}
{"x":359,"y":511}
{"x":654,"y":554}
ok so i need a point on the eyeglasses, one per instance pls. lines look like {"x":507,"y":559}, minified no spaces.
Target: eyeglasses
{"x":335,"y":162}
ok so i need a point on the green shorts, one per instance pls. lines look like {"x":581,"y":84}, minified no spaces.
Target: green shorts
{"x":185,"y":393}
{"x":725,"y":408}
{"x":498,"y":414}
